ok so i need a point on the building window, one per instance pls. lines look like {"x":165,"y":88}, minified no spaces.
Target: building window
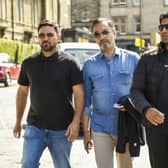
{"x":85,"y":14}
{"x":118,"y":2}
{"x":136,"y":2}
{"x":20,"y":11}
{"x":137,"y":25}
{"x":2,"y":32}
{"x":27,"y":37}
{"x":120,"y":23}
{"x":3,"y":14}
{"x":35,"y":12}
{"x":166,"y":2}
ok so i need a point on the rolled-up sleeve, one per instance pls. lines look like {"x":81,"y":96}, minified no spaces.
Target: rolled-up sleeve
{"x":87,"y":110}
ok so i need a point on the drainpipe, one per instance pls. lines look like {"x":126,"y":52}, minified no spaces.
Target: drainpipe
{"x":12,"y":20}
{"x":58,"y":12}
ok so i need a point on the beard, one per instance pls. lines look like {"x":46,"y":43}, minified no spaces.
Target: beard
{"x":165,"y":41}
{"x":47,"y":46}
{"x":106,"y":44}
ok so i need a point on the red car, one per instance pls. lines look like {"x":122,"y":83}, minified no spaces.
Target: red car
{"x":9,"y":70}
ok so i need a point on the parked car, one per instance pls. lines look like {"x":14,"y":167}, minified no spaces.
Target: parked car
{"x":79,"y":50}
{"x":9,"y":70}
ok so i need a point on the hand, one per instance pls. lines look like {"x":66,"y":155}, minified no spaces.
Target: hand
{"x":87,"y":141}
{"x":154,"y":116}
{"x":72,"y":131}
{"x":119,"y":107}
{"x":17,"y":130}
{"x":122,"y":109}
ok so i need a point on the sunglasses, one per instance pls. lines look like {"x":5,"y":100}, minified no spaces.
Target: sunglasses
{"x":42,"y":35}
{"x":162,"y":26}
{"x":104,"y":32}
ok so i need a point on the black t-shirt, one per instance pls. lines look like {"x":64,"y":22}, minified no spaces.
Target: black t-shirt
{"x":50,"y":80}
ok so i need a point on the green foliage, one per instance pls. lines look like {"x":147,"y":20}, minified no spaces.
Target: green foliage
{"x":8,"y":46}
{"x":17,"y":49}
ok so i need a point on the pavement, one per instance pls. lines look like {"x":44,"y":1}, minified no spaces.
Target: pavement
{"x":11,"y":151}
{"x":11,"y":148}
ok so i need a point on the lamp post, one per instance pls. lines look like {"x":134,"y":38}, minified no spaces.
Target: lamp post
{"x":12,"y":20}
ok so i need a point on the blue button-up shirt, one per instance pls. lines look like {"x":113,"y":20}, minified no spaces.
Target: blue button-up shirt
{"x":105,"y":81}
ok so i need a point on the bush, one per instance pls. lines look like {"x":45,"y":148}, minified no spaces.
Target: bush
{"x":17,"y":49}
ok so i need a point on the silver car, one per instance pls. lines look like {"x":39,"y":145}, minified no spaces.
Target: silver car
{"x":79,"y":50}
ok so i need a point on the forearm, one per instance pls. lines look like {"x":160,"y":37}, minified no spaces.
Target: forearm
{"x":78,"y":103}
{"x":86,"y":123}
{"x":21,"y":100}
{"x":139,"y":100}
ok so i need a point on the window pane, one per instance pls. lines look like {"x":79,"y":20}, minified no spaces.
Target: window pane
{"x":138,"y":28}
{"x":166,"y":2}
{"x":123,"y":28}
{"x":117,"y":27}
{"x":118,"y":2}
{"x":120,"y":24}
{"x":115,"y":20}
{"x":137,"y":24}
{"x":123,"y":20}
{"x":136,"y":2}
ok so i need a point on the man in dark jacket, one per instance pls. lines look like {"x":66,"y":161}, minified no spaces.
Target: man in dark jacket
{"x":149,"y":94}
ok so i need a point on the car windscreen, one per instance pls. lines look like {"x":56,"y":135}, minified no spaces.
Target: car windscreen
{"x":81,"y":54}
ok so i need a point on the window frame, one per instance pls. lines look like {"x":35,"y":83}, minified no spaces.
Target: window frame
{"x":136,"y":23}
{"x":135,"y":3}
{"x":118,"y":3}
{"x":120,"y":24}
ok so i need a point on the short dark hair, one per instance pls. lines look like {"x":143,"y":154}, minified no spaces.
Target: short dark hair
{"x":46,"y":22}
{"x":163,"y":16}
{"x":100,"y":20}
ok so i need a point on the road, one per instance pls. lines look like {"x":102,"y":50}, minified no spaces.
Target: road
{"x":11,"y":148}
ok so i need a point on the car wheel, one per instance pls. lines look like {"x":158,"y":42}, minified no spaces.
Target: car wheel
{"x":7,"y":80}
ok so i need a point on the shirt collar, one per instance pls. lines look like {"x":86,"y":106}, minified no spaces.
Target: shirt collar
{"x":117,"y":53}
{"x":50,"y":58}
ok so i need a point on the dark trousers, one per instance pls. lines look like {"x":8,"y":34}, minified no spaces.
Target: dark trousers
{"x":157,"y":140}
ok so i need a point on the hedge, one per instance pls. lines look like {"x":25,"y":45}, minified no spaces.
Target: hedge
{"x":17,"y":49}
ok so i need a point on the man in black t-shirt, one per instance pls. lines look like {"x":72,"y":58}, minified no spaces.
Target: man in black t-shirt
{"x":53,"y":121}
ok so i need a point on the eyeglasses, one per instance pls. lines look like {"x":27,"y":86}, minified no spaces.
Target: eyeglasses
{"x":162,"y":26}
{"x":104,"y":32}
{"x":42,"y":35}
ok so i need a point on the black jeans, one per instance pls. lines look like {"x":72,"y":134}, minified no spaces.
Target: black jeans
{"x":157,"y":140}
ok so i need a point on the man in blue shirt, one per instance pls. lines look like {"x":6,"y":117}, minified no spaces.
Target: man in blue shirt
{"x":107,"y":77}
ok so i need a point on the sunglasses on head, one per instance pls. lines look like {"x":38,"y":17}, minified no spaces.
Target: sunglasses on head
{"x":162,"y":26}
{"x":42,"y":35}
{"x":104,"y":32}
